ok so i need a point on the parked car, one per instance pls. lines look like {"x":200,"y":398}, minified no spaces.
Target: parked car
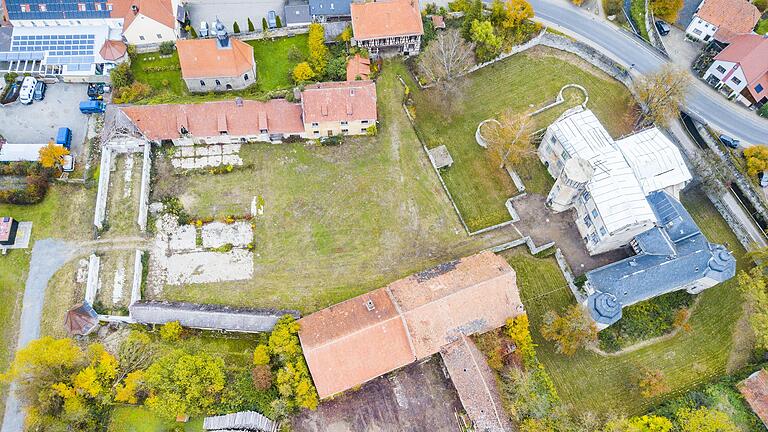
{"x":204,"y":29}
{"x":40,"y":88}
{"x":27,"y":93}
{"x":272,"y":19}
{"x":729,"y":142}
{"x":64,"y":137}
{"x":92,"y":107}
{"x":69,"y":163}
{"x":662,"y":27}
{"x":96,"y":91}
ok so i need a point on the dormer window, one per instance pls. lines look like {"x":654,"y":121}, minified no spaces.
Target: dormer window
{"x":81,"y":7}
{"x":109,"y":6}
{"x":25,"y":8}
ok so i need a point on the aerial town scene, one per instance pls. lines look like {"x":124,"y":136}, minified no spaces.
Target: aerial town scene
{"x":384,"y":215}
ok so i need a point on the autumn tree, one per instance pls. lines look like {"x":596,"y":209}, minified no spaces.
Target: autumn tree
{"x":509,"y":138}
{"x":303,"y":72}
{"x":473,"y":10}
{"x":668,"y":10}
{"x":135,"y":352}
{"x":757,"y":159}
{"x":716,"y":176}
{"x":753,"y":285}
{"x":181,"y":383}
{"x":646,"y":423}
{"x":662,"y":93}
{"x":261,"y":355}
{"x":318,"y":52}
{"x":652,"y":383}
{"x":705,"y":420}
{"x":293,"y":380}
{"x":518,"y":12}
{"x":131,"y":389}
{"x":52,"y":155}
{"x":487,"y":42}
{"x":571,"y":331}
{"x":171,"y":331}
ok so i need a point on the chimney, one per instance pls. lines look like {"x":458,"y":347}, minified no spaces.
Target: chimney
{"x":238,"y":101}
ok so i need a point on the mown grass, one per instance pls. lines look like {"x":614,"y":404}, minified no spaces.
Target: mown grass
{"x":591,"y":382}
{"x":762,"y":27}
{"x":273,"y":69}
{"x":637,"y":13}
{"x":522,"y":82}
{"x":338,"y":220}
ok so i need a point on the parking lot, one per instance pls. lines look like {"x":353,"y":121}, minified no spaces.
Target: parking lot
{"x":229,"y":11}
{"x":38,"y":123}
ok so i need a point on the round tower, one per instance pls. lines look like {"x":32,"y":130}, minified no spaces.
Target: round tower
{"x":570,"y":184}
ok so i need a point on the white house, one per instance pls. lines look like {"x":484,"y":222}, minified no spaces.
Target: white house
{"x":740,"y":71}
{"x":149,"y":21}
{"x":722,"y":20}
{"x":607,"y":181}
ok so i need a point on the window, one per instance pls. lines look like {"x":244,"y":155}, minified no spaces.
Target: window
{"x":594,"y":238}
{"x":585,"y":196}
{"x":141,"y":37}
{"x":363,"y":130}
{"x":202,"y":83}
{"x":697,"y":32}
{"x":159,"y":36}
{"x":25,"y":8}
{"x":263,"y":131}
{"x":42,"y":7}
{"x":735,"y":80}
{"x":553,"y":139}
{"x":81,"y":7}
{"x":317,"y":133}
{"x":587,"y":221}
{"x":315,"y":124}
{"x":343,"y":123}
{"x":109,"y":6}
{"x":759,"y":88}
{"x":720,"y":69}
{"x":97,"y":6}
{"x":565,"y":155}
{"x":218,"y":83}
{"x":245,"y":77}
{"x":594,"y":213}
{"x":363,"y":121}
{"x":603,"y":232}
{"x":344,"y":131}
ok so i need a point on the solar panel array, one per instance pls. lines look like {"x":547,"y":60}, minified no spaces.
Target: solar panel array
{"x":76,"y":51}
{"x":56,"y":9}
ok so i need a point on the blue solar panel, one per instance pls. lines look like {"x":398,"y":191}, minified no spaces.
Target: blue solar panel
{"x":56,"y":9}
{"x":79,"y":46}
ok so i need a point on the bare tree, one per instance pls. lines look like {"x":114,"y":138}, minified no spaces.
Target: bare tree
{"x":509,"y":139}
{"x":443,"y":62}
{"x":662,"y":93}
{"x":714,"y":173}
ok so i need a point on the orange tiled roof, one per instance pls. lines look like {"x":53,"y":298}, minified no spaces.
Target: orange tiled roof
{"x":158,"y":10}
{"x":755,"y":391}
{"x":112,"y":50}
{"x":339,"y":101}
{"x":358,"y":67}
{"x":438,"y":21}
{"x":732,"y":17}
{"x":350,"y":343}
{"x":386,"y":18}
{"x":750,"y":51}
{"x":159,"y":122}
{"x":202,"y":58}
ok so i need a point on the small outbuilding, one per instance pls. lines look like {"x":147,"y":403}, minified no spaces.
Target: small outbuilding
{"x":440,"y":157}
{"x":8,"y":229}
{"x":438,"y":22}
{"x":358,"y":68}
{"x":755,"y":391}
{"x":81,"y":320}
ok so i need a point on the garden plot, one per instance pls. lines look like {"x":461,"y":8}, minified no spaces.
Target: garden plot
{"x":204,"y":156}
{"x":124,"y":194}
{"x":186,"y":254}
{"x":113,"y":294}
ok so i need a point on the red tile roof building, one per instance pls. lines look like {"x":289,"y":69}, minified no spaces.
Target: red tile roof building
{"x":755,"y":391}
{"x":334,"y":108}
{"x":387,"y":26}
{"x":358,"y":68}
{"x":362,"y":338}
{"x":722,"y":19}
{"x":147,"y":21}
{"x":743,"y":67}
{"x":216,"y":64}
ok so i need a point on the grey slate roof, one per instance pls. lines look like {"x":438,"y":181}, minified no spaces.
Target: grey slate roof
{"x":670,"y":256}
{"x":329,"y":7}
{"x":209,"y":317}
{"x":297,"y":13}
{"x":244,"y":420}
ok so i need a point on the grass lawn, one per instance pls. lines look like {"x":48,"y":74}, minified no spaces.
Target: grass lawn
{"x":338,"y":221}
{"x":66,"y":213}
{"x":591,"y":382}
{"x":762,"y":27}
{"x":128,"y":418}
{"x":273,"y":69}
{"x":637,"y":13}
{"x":523,"y":81}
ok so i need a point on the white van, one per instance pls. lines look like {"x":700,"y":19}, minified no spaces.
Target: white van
{"x":27,"y":92}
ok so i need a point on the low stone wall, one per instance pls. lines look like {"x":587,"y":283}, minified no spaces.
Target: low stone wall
{"x":275,"y":33}
{"x":137,"y":272}
{"x":92,"y":284}
{"x":100,"y":214}
{"x":144,"y":193}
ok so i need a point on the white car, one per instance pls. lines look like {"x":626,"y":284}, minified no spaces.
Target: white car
{"x":27,"y":92}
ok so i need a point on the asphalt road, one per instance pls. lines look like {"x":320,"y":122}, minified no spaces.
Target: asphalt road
{"x":702,"y":102}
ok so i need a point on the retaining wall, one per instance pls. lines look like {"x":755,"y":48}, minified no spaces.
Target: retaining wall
{"x":144,"y":193}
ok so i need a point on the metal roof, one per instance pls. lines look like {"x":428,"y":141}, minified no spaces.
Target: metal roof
{"x":297,"y":13}
{"x":329,"y":7}
{"x":614,"y":188}
{"x":655,"y":160}
{"x":56,"y":9}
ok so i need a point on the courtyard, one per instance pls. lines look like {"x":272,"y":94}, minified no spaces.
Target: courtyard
{"x":530,"y":80}
{"x":337,"y":220}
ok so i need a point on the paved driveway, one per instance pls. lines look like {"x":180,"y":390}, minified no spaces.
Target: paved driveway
{"x":229,"y":11}
{"x":682,"y":52}
{"x":38,"y":123}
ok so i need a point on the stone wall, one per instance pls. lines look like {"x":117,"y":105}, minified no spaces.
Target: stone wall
{"x":144,"y":194}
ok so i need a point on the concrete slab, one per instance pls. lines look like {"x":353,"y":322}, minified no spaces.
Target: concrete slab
{"x":232,"y":10}
{"x":183,"y":238}
{"x":216,"y":234}
{"x":209,"y":267}
{"x":681,"y":51}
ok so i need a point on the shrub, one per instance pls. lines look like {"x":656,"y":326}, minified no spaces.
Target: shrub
{"x":613,"y":7}
{"x":11,"y":77}
{"x":121,"y":75}
{"x":264,"y":26}
{"x":763,"y":111}
{"x":171,"y":331}
{"x":166,"y":68}
{"x":652,"y":383}
{"x":303,"y":72}
{"x":262,"y":377}
{"x":278,"y":22}
{"x":235,"y":27}
{"x":371,"y":130}
{"x":296,"y":56}
{"x":166,"y":48}
{"x":131,"y":51}
{"x":336,"y":69}
{"x":261,"y":355}
{"x":761,"y":5}
{"x":173,"y":206}
{"x":251,"y":28}
{"x":134,"y":92}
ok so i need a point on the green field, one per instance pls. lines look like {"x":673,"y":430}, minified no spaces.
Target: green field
{"x":522,"y":82}
{"x":762,"y":27}
{"x":273,"y":68}
{"x":139,"y":419}
{"x":591,"y":382}
{"x":338,"y":220}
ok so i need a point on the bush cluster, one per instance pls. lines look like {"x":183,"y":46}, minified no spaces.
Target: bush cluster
{"x":37,"y":182}
{"x":166,"y":68}
{"x":136,"y":91}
